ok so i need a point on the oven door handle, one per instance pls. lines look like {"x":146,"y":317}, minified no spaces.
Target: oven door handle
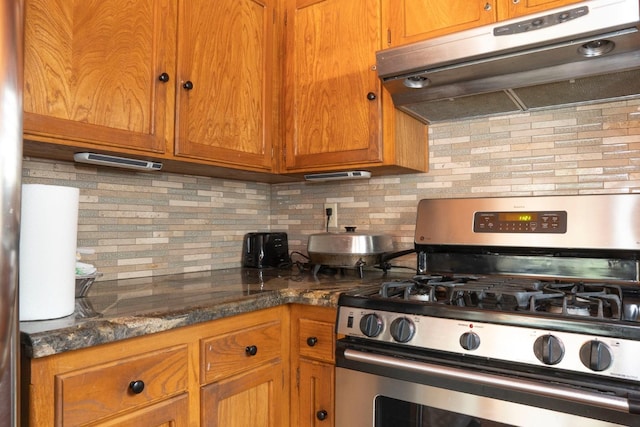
{"x":559,"y":392}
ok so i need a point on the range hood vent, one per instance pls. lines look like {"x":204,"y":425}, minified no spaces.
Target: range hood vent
{"x":585,"y":53}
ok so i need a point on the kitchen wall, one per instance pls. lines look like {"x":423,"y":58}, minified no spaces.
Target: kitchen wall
{"x":144,"y":224}
{"x":589,"y":149}
{"x":153,"y":224}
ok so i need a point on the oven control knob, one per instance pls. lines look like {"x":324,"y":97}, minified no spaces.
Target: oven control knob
{"x":402,"y":329}
{"x":469,"y":341}
{"x":371,"y":325}
{"x":548,"y":349}
{"x":595,"y":355}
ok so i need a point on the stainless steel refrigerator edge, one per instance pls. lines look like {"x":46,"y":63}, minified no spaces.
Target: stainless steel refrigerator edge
{"x":11,"y":44}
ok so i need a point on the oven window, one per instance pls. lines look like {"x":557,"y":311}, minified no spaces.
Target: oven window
{"x":398,"y":413}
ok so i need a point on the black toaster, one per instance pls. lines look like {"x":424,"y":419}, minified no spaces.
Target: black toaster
{"x":265,"y":249}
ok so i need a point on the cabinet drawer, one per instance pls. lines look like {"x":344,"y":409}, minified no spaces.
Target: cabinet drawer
{"x":315,"y":340}
{"x":104,"y":390}
{"x":239,"y":351}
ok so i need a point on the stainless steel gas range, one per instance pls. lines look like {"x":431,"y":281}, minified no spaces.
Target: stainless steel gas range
{"x":523,"y":311}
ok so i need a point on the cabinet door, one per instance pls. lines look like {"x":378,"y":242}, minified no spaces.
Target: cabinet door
{"x":409,"y":21}
{"x":316,"y":338}
{"x":314,"y":399}
{"x":92,"y":72}
{"x":226,"y":60}
{"x":168,"y":413}
{"x":514,"y":8}
{"x":256,"y":398}
{"x":332,"y":99}
{"x":240,"y":350}
{"x":312,"y":356}
{"x":99,"y":391}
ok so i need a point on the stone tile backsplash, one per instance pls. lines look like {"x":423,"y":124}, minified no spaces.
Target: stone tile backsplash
{"x":144,"y":224}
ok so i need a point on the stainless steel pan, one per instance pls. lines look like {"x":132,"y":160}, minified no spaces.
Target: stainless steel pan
{"x":351,"y":249}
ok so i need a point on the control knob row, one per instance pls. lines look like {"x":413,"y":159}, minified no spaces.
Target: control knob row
{"x":402,"y":329}
{"x":595,"y":355}
{"x":371,"y":325}
{"x":548,"y":349}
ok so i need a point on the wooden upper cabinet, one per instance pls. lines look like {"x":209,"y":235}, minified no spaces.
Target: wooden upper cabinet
{"x":410,"y":21}
{"x":226,"y":70}
{"x":513,"y":8}
{"x":333,"y":102}
{"x":91,"y":72}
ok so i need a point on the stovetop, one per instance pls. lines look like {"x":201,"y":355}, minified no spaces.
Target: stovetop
{"x":551,"y":282}
{"x":573,"y":326}
{"x":532,"y":296}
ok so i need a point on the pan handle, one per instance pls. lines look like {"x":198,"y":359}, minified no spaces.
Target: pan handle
{"x":385,"y":258}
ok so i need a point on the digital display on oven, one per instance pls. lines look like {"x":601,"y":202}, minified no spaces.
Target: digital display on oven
{"x":517,"y":216}
{"x":520,"y":222}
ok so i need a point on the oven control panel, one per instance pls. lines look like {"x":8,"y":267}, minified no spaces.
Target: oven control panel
{"x":568,"y":351}
{"x":520,"y":222}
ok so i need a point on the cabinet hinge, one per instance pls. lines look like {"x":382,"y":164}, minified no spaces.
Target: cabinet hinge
{"x":388,"y":36}
{"x":285,"y":18}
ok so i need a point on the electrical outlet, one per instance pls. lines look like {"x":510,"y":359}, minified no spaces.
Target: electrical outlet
{"x":333,"y":220}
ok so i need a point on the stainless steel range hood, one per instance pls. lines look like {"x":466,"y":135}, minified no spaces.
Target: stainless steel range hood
{"x":583,"y":53}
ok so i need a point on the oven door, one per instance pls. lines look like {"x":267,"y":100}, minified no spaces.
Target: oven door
{"x":380,"y":390}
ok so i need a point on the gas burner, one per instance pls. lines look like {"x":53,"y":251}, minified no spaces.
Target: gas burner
{"x":576,"y":308}
{"x":602,"y":301}
{"x":498,"y":296}
{"x":425,"y":288}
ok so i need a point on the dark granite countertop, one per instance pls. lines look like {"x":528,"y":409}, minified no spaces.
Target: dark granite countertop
{"x":121,"y":309}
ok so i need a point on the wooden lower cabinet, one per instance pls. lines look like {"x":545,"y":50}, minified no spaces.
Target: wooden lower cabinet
{"x":108,"y":385}
{"x":172,"y":412}
{"x":255,"y":398}
{"x":315,"y":400}
{"x":243,"y":373}
{"x":312,"y":366}
{"x":268,"y":368}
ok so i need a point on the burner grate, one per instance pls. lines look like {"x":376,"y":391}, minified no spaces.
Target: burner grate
{"x":602,"y":301}
{"x":504,"y":294}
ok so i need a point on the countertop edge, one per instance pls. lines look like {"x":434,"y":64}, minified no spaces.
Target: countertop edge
{"x":93,"y":332}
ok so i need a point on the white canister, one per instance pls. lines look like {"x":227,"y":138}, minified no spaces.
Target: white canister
{"x":48,"y":239}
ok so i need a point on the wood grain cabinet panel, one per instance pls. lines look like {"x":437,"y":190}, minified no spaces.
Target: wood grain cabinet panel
{"x":312,"y":366}
{"x":316,"y":394}
{"x":193,"y":81}
{"x":92,"y":72}
{"x":254,"y":85}
{"x":256,"y":398}
{"x":227,"y":69}
{"x":410,"y":21}
{"x":245,"y":369}
{"x":240,"y":350}
{"x":100,"y":391}
{"x":337,"y":115}
{"x":172,"y":412}
{"x":316,"y":339}
{"x":92,"y":386}
{"x":514,"y":8}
